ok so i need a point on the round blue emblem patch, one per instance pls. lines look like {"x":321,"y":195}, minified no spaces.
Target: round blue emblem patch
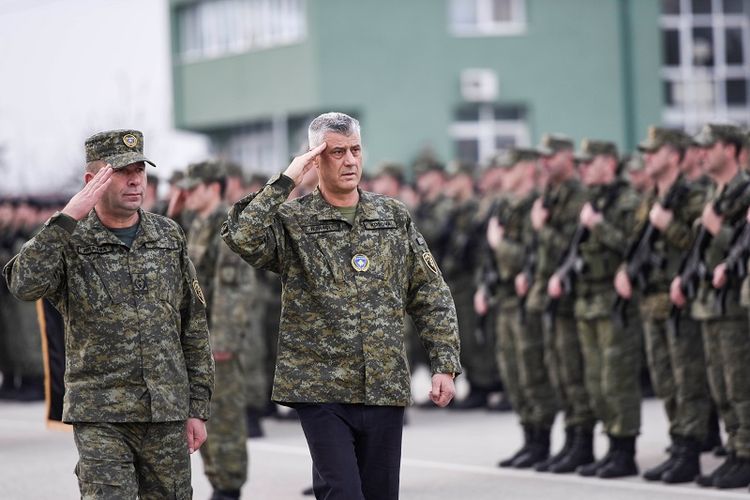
{"x":360,"y":262}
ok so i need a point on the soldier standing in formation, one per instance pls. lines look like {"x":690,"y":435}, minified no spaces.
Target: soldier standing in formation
{"x":139,"y":373}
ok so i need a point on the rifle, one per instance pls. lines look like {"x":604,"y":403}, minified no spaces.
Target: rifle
{"x":736,"y":265}
{"x":571,"y":263}
{"x":693,"y":269}
{"x":641,"y":259}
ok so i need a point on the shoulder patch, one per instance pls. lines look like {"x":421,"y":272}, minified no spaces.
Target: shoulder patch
{"x":430,"y":262}
{"x":199,"y":292}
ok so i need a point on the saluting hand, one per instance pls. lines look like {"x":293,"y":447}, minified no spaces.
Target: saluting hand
{"x":84,"y":200}
{"x":443,"y":389}
{"x":302,"y":163}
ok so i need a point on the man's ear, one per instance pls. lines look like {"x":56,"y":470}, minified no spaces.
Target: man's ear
{"x":87,"y":177}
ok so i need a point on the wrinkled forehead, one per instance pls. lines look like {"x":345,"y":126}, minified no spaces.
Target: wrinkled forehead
{"x":334,"y":140}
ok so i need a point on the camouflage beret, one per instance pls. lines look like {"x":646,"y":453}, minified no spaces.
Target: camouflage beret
{"x":554,"y":143}
{"x":391,"y":169}
{"x":591,"y":148}
{"x":205,"y":171}
{"x":711,"y":133}
{"x":119,"y":148}
{"x":659,"y":136}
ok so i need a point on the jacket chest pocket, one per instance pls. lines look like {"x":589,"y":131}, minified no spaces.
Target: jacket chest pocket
{"x":106,"y":275}
{"x":157,"y":272}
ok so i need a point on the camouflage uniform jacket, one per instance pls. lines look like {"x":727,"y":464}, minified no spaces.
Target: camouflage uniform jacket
{"x":510,"y":255}
{"x":431,"y":217}
{"x":136,"y":339}
{"x":734,"y":211}
{"x":229,"y":283}
{"x":341,"y":335}
{"x":604,"y":250}
{"x":671,"y":245}
{"x":563,"y":203}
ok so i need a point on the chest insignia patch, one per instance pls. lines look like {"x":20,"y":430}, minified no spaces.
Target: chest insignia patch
{"x":360,"y":262}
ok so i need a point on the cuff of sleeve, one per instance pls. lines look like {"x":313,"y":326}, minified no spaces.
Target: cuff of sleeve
{"x":199,"y":408}
{"x":282,"y":181}
{"x":64,"y":221}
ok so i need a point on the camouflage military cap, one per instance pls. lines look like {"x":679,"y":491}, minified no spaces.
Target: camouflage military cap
{"x":633,"y":163}
{"x":390,"y":169}
{"x":659,"y":136}
{"x":119,"y":148}
{"x":463,"y":168}
{"x":423,"y":167}
{"x":176,"y":177}
{"x":591,"y":148}
{"x":554,"y":143}
{"x":516,"y":155}
{"x":205,"y":171}
{"x":711,"y":133}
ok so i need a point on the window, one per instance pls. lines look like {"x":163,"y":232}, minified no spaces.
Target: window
{"x":215,"y":28}
{"x":482,"y":130}
{"x":705,"y":66}
{"x":487,"y":17}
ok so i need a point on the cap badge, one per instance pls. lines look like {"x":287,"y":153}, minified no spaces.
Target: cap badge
{"x":360,"y":263}
{"x":130,"y":140}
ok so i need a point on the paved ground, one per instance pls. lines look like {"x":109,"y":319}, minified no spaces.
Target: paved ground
{"x":447,"y":455}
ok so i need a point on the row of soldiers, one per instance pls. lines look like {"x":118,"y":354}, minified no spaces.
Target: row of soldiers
{"x":581,"y":268}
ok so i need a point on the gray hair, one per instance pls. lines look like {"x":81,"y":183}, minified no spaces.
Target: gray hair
{"x":339,"y":123}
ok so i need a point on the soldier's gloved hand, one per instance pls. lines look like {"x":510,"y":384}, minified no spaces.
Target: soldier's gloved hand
{"x":622,"y":285}
{"x":720,"y":275}
{"x":675,"y":293}
{"x":84,"y":200}
{"x":443,"y":389}
{"x":539,"y":214}
{"x":554,"y":286}
{"x":195,"y":429}
{"x":302,"y":163}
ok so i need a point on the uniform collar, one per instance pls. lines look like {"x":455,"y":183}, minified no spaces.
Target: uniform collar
{"x":325,"y":211}
{"x":102,"y":235}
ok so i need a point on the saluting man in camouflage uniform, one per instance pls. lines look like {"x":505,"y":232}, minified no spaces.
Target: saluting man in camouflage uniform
{"x":351,"y":263}
{"x":611,"y":354}
{"x":138,"y":373}
{"x":725,"y":337}
{"x":520,"y":346}
{"x":675,"y":359}
{"x":228,"y":286}
{"x":554,"y":217}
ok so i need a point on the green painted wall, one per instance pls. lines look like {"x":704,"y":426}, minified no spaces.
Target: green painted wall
{"x":398,"y":66}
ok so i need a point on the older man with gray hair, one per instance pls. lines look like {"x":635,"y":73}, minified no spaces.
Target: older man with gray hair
{"x":352,"y":263}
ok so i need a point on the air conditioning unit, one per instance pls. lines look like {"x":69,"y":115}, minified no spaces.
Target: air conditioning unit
{"x":479,"y":85}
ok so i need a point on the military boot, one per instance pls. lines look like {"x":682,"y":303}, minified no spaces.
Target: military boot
{"x":686,"y":465}
{"x":736,"y":477}
{"x":655,"y":473}
{"x":537,"y":451}
{"x":622,"y":462}
{"x":581,"y":453}
{"x":708,"y":480}
{"x":527,"y":437}
{"x":713,"y":438}
{"x":569,"y":437}
{"x":252,"y":422}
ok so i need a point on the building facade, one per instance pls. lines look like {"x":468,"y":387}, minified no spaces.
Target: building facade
{"x":464,"y":78}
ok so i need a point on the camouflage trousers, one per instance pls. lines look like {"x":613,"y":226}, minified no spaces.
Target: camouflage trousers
{"x":564,"y":360}
{"x":477,"y":353}
{"x":128,"y":460}
{"x":727,"y":346}
{"x":678,"y":374}
{"x":612,"y":364}
{"x":224,"y":453}
{"x":520,"y":356}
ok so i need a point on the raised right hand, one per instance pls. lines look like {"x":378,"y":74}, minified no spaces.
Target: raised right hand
{"x":302,"y":163}
{"x":84,"y":200}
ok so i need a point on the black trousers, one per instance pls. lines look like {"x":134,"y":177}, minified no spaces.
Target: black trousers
{"x":355,"y":448}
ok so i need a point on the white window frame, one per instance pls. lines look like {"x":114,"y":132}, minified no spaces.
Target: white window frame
{"x":487,"y":129}
{"x":691,"y":113}
{"x":485,"y":25}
